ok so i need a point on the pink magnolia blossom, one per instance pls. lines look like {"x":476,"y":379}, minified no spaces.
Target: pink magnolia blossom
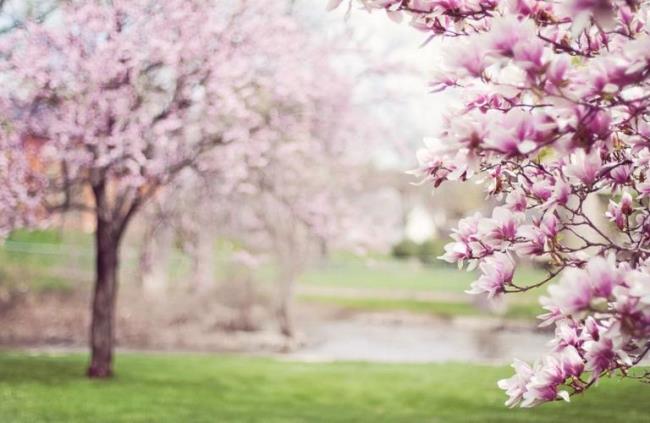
{"x":542,"y":189}
{"x":548,"y":376}
{"x":644,"y":189}
{"x":557,"y":71}
{"x":456,"y":252}
{"x":604,"y":353}
{"x":573,"y":293}
{"x":471,"y":58}
{"x":519,"y":133}
{"x":566,"y":334}
{"x":561,"y":193}
{"x":621,"y":174}
{"x":550,"y":225}
{"x":627,"y":203}
{"x":516,"y":386}
{"x":619,"y":212}
{"x":509,"y":34}
{"x":533,"y":241}
{"x":615,"y":214}
{"x":584,"y":167}
{"x":502,"y":226}
{"x":591,"y":329}
{"x":603,"y":275}
{"x":640,"y":287}
{"x":554,"y":119}
{"x":516,"y":201}
{"x":496,"y":273}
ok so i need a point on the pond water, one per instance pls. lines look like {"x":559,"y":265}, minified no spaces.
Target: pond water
{"x":420,"y":342}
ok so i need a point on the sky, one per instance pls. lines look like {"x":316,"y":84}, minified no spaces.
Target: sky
{"x":414,"y":112}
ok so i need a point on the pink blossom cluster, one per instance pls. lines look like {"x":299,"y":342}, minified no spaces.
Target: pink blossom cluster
{"x":115,"y":103}
{"x":555,"y":121}
{"x":117,"y":106}
{"x":21,"y":185}
{"x":602,"y":319}
{"x":129,"y":93}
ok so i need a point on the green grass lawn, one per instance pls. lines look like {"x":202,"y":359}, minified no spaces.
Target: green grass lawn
{"x":46,"y":257}
{"x":41,"y":261}
{"x":523,"y":310}
{"x":175,"y":388}
{"x":388,"y":273}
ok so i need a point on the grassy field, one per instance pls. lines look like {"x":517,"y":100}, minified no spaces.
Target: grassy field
{"x":51,"y":250}
{"x":388,"y":274}
{"x":523,"y":310}
{"x":173,"y":388}
{"x":43,"y":261}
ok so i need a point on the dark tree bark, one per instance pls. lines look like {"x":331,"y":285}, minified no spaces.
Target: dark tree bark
{"x":284,"y":308}
{"x":108,"y":234}
{"x":285,"y":318}
{"x":102,"y":331}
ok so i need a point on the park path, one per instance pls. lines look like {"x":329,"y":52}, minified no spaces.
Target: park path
{"x":381,"y":293}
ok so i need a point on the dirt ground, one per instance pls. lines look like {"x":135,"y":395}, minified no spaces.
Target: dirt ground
{"x":178,"y":323}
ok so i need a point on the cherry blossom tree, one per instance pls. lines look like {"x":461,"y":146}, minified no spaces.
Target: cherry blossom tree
{"x":293,"y":189}
{"x":299,"y":195}
{"x":129,"y":93}
{"x":554,"y":116}
{"x":21,"y":185}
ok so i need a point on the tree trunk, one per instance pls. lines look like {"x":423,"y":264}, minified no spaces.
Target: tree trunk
{"x":203,"y":262}
{"x":284,"y":310}
{"x":145,"y":260}
{"x":285,"y":318}
{"x":154,"y":262}
{"x":102,"y":332}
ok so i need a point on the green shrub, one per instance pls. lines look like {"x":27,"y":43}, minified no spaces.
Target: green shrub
{"x":429,"y":251}
{"x":405,"y":249}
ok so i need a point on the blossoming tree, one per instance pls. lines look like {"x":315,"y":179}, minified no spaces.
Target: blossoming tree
{"x":292,"y":190}
{"x":126,"y":95}
{"x":555,"y":115}
{"x":287,"y":214}
{"x":21,"y":186}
